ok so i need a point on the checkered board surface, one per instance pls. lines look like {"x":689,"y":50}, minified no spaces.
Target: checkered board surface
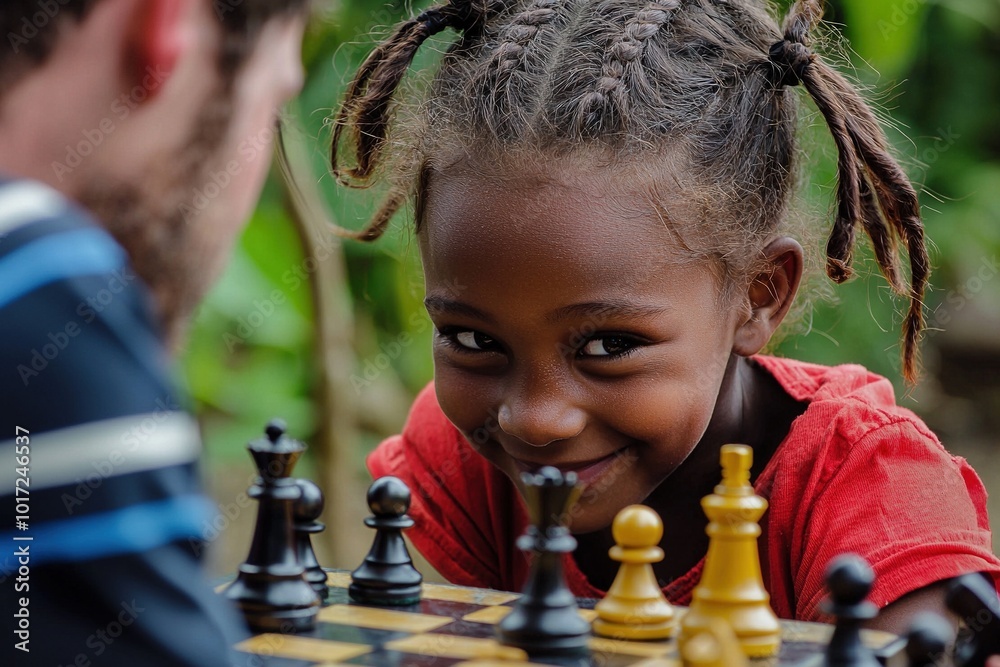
{"x":455,"y":626}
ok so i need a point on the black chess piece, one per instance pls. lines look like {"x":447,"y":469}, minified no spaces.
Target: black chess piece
{"x":927,"y":640}
{"x":849,"y":579}
{"x":545,"y":620}
{"x":270,"y":588}
{"x":975,"y":602}
{"x":307,"y":511}
{"x":387,"y":575}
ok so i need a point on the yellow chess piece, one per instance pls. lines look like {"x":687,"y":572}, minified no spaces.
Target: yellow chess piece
{"x":635,"y":607}
{"x":731,"y":586}
{"x":716,"y":646}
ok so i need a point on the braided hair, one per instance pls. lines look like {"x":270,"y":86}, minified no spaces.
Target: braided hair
{"x":636,"y":79}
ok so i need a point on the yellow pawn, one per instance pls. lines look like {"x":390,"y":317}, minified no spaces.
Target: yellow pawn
{"x":635,"y":607}
{"x":716,"y":646}
{"x":731,"y":586}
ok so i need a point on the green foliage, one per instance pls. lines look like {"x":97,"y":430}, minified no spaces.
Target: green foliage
{"x":934,"y":63}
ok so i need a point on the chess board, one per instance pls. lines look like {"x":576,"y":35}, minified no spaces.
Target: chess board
{"x":454,"y":626}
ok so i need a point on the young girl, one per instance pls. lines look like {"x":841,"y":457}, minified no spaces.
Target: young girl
{"x":600,"y":191}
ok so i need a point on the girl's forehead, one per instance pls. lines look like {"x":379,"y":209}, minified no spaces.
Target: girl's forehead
{"x":558,"y":209}
{"x":584,"y":238}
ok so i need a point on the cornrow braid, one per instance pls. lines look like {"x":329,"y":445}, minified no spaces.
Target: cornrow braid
{"x":872,"y":189}
{"x":511,"y":66}
{"x":594,"y":109}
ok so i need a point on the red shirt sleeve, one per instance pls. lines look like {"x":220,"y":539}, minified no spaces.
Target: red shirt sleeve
{"x":467,"y":514}
{"x":857,"y":473}
{"x":898,"y":499}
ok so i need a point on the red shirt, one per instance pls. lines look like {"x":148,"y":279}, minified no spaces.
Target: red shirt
{"x":855,"y":473}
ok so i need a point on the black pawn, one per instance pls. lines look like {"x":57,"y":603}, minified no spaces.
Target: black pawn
{"x":307,"y":511}
{"x":927,"y":640}
{"x":545,"y":620}
{"x":849,"y":579}
{"x":975,"y":602}
{"x":387,"y":575}
{"x":270,"y":589}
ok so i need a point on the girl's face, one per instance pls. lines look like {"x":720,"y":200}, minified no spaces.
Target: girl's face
{"x":572,"y":331}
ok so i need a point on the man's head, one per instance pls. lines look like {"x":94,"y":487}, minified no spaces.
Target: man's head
{"x":157,"y":115}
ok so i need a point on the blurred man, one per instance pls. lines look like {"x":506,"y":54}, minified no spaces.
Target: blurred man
{"x":134,"y":140}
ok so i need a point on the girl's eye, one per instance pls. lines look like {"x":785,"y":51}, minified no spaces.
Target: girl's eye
{"x":473,"y":340}
{"x":609,"y":346}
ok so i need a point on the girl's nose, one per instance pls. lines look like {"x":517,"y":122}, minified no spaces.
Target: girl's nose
{"x":540,"y":421}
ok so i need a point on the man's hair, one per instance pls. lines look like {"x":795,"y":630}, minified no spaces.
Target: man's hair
{"x":32,"y":28}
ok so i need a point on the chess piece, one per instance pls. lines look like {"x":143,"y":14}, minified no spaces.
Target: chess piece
{"x":635,"y":607}
{"x":270,"y":588}
{"x":545,"y":620}
{"x":849,"y":579}
{"x":715,"y":646}
{"x":387,"y":575}
{"x":731,"y":586}
{"x":927,"y":640}
{"x":975,"y":602}
{"x":306,"y":512}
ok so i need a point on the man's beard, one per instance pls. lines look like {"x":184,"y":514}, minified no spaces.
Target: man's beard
{"x":155,"y":218}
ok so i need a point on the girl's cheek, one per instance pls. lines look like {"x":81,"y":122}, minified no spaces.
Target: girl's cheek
{"x":457,"y":397}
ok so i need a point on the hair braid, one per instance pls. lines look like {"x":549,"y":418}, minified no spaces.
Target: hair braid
{"x":365,"y":110}
{"x":523,"y":28}
{"x":872,"y":188}
{"x":511,"y":68}
{"x":617,"y":59}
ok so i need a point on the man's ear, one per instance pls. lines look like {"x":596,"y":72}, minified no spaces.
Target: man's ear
{"x":770,"y":295}
{"x":158,"y":36}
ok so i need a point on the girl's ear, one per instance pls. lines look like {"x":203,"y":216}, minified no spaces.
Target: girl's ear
{"x":770,"y":295}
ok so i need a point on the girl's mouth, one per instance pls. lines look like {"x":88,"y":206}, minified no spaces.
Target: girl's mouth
{"x":587,"y":471}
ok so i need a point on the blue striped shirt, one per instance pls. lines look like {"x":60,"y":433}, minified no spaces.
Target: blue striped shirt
{"x":99,"y":488}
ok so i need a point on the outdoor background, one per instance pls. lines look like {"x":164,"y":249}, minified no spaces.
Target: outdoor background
{"x":333,"y":338}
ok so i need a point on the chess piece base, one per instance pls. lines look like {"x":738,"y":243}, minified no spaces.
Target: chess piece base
{"x":545,"y":632}
{"x":755,"y":626}
{"x":285,"y":622}
{"x":644,"y":632}
{"x":395,"y":596}
{"x":318,"y":581}
{"x":276,"y":606}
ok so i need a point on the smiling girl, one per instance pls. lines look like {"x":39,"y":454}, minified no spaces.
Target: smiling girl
{"x":601,"y":190}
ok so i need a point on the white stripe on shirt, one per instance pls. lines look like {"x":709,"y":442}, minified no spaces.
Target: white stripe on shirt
{"x":22,"y":202}
{"x":103,"y":449}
